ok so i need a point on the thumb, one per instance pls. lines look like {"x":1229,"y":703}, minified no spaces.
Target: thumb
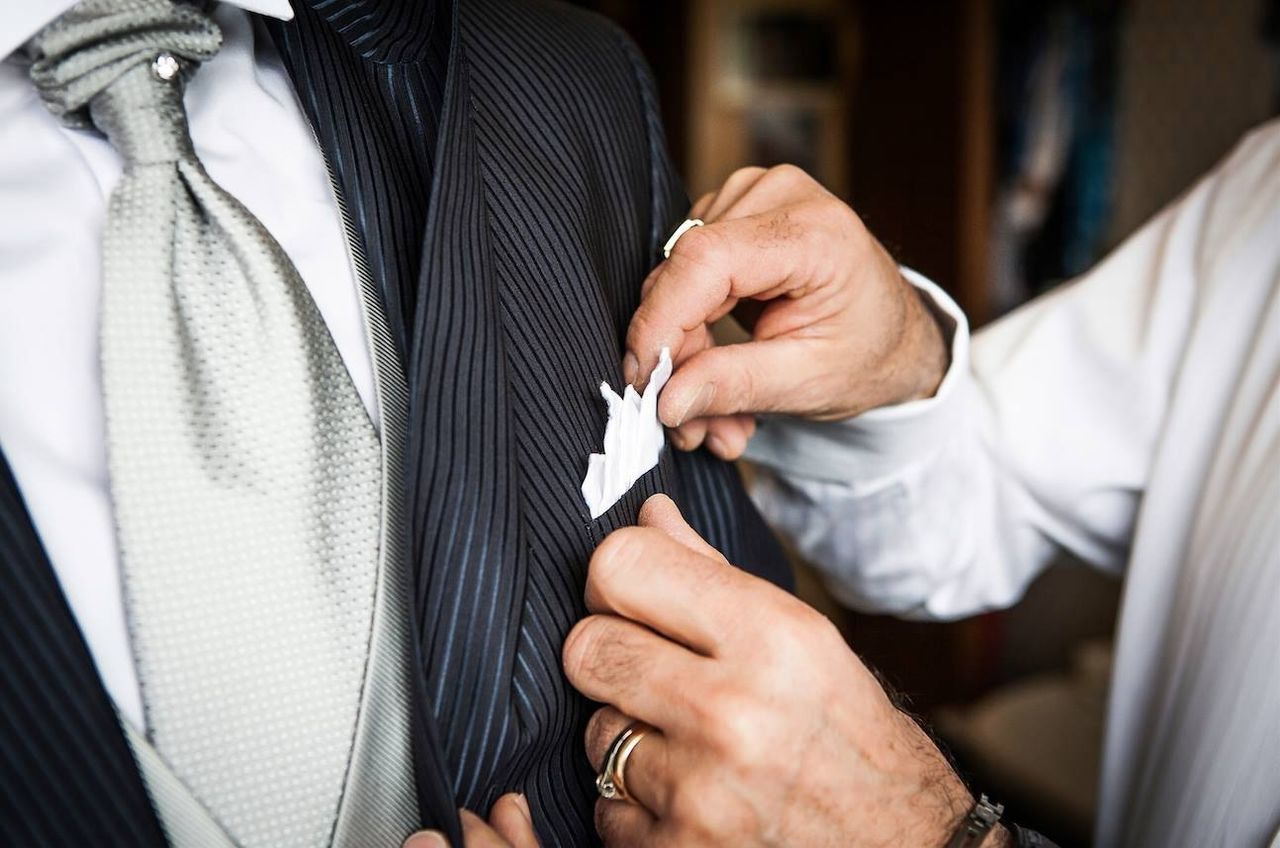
{"x":752,"y":377}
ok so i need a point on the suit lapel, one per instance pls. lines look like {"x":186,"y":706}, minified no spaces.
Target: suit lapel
{"x":465,"y":539}
{"x":468,"y":545}
{"x":369,"y":75}
{"x":66,"y":773}
{"x":515,"y":328}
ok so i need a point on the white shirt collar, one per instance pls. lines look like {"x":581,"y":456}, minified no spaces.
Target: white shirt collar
{"x":22,"y":20}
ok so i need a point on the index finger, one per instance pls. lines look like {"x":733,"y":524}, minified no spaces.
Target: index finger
{"x":741,"y":257}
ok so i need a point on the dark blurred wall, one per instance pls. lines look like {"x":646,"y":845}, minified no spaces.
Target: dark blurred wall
{"x":907,"y":131}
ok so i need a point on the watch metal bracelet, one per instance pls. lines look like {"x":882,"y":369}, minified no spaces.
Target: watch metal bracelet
{"x":975,"y":827}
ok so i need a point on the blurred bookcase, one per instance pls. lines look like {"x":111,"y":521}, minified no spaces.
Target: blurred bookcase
{"x":887,"y":104}
{"x":770,"y":82}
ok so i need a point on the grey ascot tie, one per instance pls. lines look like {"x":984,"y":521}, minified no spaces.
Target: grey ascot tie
{"x":266,"y":604}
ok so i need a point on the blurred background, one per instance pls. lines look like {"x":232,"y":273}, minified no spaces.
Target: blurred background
{"x":999,"y":148}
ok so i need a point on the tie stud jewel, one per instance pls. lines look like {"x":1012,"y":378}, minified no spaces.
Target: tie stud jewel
{"x":165,"y":67}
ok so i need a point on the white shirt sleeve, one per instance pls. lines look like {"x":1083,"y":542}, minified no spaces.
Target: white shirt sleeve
{"x":1040,"y":436}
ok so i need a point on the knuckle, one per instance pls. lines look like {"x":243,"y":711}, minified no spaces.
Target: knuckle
{"x":825,"y":632}
{"x":716,"y":712}
{"x":745,"y":386}
{"x":810,"y":626}
{"x":643,"y":326}
{"x":699,"y":246}
{"x":716,"y":582}
{"x":836,"y":208}
{"x":701,"y":810}
{"x":688,"y":803}
{"x":705,"y":710}
{"x":847,"y":222}
{"x":789,"y":173}
{"x":750,"y":173}
{"x":579,"y":648}
{"x":598,"y":652}
{"x":741,"y":740}
{"x":618,"y":825}
{"x":794,"y":631}
{"x":590,"y":650}
{"x":648,"y":284}
{"x":607,"y":821}
{"x":596,"y":737}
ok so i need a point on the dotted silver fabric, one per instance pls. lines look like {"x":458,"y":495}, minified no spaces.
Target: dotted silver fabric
{"x":246,"y":477}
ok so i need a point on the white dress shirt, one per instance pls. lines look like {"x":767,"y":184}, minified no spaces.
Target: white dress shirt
{"x":254,"y":140}
{"x":1132,"y":417}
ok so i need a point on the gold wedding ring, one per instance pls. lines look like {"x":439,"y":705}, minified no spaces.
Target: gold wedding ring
{"x":611,"y":783}
{"x":688,"y":225}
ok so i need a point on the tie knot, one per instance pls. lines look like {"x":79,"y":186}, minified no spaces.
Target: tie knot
{"x":120,"y":65}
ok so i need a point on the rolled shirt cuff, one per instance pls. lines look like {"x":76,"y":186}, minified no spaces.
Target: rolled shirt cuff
{"x":880,"y":442}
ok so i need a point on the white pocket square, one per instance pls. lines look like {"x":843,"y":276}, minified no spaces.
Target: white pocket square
{"x":633,"y":439}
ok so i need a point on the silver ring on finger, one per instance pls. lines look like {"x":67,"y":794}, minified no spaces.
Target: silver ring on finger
{"x":689,"y":224}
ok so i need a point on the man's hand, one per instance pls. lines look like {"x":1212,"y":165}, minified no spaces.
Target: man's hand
{"x":835,"y":328}
{"x":509,"y":826}
{"x":769,"y":731}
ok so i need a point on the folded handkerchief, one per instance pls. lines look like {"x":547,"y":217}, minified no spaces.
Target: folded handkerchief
{"x":633,"y":438}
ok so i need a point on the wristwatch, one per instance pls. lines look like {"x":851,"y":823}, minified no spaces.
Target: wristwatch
{"x":975,"y":827}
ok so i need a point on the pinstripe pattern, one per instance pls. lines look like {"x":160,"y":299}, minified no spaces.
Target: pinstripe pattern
{"x":370,"y":76}
{"x":509,"y":210}
{"x":551,"y":193}
{"x":66,"y":774}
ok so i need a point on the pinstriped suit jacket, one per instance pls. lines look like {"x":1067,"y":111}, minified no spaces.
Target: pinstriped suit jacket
{"x":506,"y":172}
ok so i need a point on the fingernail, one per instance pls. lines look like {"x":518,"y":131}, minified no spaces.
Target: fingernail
{"x":630,"y":368}
{"x":697,"y":405}
{"x":427,"y":839}
{"x":716,"y":446}
{"x":523,"y":803}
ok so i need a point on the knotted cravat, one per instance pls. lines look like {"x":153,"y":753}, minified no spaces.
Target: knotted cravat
{"x":246,"y":477}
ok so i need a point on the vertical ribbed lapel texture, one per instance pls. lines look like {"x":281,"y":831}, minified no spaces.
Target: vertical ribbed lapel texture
{"x":371,"y":77}
{"x":580,"y":193}
{"x":67,"y":776}
{"x":463,"y":506}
